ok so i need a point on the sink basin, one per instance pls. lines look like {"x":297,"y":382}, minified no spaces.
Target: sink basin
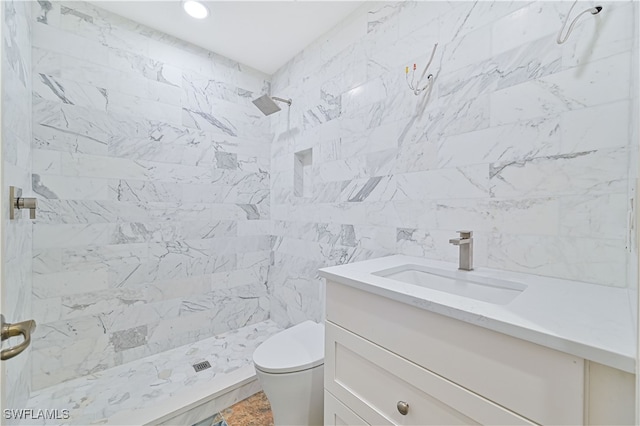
{"x":461,"y":283}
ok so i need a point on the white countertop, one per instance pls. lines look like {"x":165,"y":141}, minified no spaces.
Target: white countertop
{"x":586,"y":320}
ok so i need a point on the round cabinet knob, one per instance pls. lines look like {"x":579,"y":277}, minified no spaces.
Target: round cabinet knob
{"x":403,"y":408}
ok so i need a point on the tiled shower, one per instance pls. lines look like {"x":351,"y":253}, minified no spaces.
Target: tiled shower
{"x":152,"y":167}
{"x":171,"y":210}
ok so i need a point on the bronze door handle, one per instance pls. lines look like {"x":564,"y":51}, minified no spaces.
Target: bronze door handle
{"x":24,"y":328}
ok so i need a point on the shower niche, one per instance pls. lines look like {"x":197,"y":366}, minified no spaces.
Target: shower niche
{"x":302,"y":175}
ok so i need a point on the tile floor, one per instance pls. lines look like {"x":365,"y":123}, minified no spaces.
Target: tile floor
{"x":146,"y":382}
{"x":253,"y":411}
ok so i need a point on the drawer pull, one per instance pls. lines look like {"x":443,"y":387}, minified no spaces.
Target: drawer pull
{"x":403,"y":408}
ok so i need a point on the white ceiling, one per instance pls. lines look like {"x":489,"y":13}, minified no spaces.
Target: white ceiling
{"x":261,"y":34}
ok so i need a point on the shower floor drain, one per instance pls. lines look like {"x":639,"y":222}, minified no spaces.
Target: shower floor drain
{"x":201,"y":366}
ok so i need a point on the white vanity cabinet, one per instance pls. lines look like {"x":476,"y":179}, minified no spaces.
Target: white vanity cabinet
{"x":382,"y":353}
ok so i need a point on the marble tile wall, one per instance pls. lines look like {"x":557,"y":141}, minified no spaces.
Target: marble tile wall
{"x":152,"y":170}
{"x":521,"y":140}
{"x":16,"y":157}
{"x":633,"y":168}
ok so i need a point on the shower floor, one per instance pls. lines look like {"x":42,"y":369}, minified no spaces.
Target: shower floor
{"x":154,"y":389}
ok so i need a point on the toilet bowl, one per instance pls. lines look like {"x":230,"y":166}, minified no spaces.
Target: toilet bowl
{"x":290,"y":367}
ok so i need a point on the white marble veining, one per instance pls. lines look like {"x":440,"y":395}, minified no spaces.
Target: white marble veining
{"x":148,"y":154}
{"x":524,"y":141}
{"x":168,"y":205}
{"x":586,"y":320}
{"x":146,"y":387}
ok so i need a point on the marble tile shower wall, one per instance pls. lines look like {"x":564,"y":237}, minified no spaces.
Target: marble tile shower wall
{"x":16,"y":157}
{"x":523,"y":141}
{"x":152,"y":169}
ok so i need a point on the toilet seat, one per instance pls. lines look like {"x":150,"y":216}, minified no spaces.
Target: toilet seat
{"x":298,"y":348}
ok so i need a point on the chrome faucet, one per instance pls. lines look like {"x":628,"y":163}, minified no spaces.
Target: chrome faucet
{"x":466,"y":249}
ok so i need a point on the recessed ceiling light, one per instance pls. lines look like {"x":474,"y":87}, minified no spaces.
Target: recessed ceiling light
{"x":195,"y":9}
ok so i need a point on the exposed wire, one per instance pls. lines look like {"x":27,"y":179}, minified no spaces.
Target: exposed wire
{"x":415,"y":86}
{"x":592,"y":10}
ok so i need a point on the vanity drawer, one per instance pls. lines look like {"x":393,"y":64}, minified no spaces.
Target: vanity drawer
{"x":372,"y":380}
{"x":337,"y":414}
{"x":540,"y":384}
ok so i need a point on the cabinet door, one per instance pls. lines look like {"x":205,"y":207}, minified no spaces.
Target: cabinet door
{"x":371,"y":381}
{"x":610,"y":396}
{"x":336,"y":414}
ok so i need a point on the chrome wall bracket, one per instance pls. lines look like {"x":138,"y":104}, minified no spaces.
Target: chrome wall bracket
{"x":17,"y":202}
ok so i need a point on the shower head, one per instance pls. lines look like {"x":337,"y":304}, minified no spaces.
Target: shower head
{"x":266,"y":104}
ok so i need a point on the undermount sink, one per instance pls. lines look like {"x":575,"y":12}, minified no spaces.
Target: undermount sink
{"x":461,"y":283}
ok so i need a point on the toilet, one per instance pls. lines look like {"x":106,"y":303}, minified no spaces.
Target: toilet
{"x":290,"y":367}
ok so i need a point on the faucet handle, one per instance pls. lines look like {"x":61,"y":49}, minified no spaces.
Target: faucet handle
{"x":465,"y":234}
